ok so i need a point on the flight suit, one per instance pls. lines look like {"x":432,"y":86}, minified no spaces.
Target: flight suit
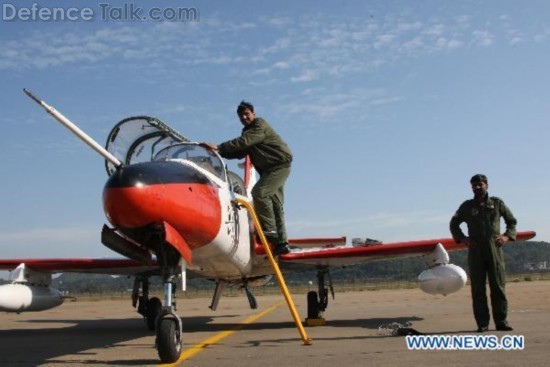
{"x":272,"y":158}
{"x":485,"y":256}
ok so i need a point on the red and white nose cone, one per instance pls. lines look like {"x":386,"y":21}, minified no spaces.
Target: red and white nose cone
{"x":133,"y":206}
{"x":154,"y":192}
{"x":134,"y":195}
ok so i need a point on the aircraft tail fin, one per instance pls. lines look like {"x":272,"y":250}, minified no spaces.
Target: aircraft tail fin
{"x":250,"y":176}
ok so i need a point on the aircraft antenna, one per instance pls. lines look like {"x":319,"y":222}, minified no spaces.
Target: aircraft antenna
{"x":75,"y":130}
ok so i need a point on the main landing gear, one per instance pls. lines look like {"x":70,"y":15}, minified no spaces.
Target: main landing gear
{"x":317,"y":302}
{"x":150,"y":308}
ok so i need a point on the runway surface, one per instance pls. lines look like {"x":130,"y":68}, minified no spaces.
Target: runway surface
{"x":110,"y":333}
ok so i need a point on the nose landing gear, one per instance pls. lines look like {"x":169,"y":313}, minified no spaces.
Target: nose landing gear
{"x":169,"y":329}
{"x":168,"y":326}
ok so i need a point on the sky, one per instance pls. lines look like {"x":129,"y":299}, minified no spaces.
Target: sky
{"x":388,"y":106}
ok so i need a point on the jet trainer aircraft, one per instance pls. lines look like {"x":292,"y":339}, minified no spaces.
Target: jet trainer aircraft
{"x":171,"y":204}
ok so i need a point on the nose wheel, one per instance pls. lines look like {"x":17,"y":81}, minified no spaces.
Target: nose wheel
{"x":168,"y":324}
{"x":169,"y":329}
{"x":169,"y":339}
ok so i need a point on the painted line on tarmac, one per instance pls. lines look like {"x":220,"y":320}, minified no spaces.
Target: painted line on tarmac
{"x":191,"y":351}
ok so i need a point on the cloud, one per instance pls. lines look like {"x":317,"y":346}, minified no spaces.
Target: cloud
{"x":42,"y":50}
{"x":542,"y":36}
{"x":443,"y":43}
{"x":323,"y":104}
{"x":435,"y":30}
{"x":383,"y":40}
{"x":297,"y":48}
{"x":307,"y":76}
{"x":280,"y":22}
{"x":482,"y":38}
{"x":385,"y":100}
{"x":277,"y":66}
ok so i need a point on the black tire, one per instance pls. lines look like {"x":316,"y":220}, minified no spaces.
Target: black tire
{"x":154,"y":307}
{"x":168,"y":340}
{"x":312,"y":305}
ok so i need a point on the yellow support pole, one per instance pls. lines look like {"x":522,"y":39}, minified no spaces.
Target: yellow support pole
{"x":305,"y":339}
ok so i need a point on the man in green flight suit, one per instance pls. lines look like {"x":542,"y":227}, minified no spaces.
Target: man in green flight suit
{"x":485,"y":256}
{"x":272,"y":158}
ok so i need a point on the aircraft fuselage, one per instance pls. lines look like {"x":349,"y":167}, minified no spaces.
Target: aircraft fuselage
{"x":196,"y":203}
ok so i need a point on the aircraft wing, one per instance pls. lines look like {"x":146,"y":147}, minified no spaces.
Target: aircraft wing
{"x":317,"y":242}
{"x":329,"y":252}
{"x":96,"y":266}
{"x":337,"y":255}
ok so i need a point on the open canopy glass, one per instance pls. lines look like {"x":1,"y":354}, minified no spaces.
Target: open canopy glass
{"x":139,"y":139}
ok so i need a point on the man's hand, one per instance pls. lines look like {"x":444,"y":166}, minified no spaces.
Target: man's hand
{"x":501,"y":240}
{"x":209,"y":145}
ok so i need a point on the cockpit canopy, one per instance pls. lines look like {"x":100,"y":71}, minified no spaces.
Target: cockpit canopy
{"x":139,"y":139}
{"x":192,"y":152}
{"x":144,"y":139}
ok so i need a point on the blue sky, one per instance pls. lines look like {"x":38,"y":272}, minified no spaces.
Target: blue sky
{"x":388,"y":106}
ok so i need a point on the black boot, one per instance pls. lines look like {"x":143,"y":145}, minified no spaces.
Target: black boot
{"x":504,"y":327}
{"x":271,"y":237}
{"x":281,"y":249}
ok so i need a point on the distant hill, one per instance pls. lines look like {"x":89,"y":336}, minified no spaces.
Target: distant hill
{"x":516,"y":257}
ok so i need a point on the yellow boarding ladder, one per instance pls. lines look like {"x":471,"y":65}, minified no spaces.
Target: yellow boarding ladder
{"x":278,"y":274}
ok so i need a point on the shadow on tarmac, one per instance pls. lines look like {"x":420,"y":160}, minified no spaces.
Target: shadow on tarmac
{"x":82,"y":335}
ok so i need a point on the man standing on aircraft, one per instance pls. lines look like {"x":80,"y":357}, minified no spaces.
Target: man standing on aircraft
{"x":272,"y":158}
{"x":485,"y":256}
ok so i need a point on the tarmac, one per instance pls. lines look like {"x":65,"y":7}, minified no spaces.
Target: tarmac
{"x":110,"y":333}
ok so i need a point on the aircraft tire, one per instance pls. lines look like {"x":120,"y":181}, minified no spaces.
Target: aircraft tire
{"x":168,"y":340}
{"x":154,"y":308}
{"x":312,"y":305}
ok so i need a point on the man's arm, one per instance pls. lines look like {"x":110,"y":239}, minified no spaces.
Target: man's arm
{"x":454,"y":226}
{"x":250,"y":137}
{"x":510,"y":221}
{"x":231,"y":155}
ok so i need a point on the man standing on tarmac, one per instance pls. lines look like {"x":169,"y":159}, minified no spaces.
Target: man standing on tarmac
{"x":272,"y":159}
{"x":485,"y":256}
